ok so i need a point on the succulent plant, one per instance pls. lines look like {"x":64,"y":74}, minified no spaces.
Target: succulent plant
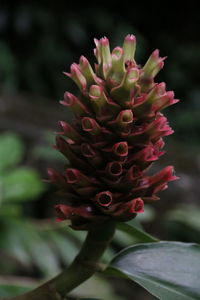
{"x":115,"y":137}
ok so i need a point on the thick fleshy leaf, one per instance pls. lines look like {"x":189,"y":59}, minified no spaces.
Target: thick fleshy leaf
{"x":136,"y":233}
{"x":168,"y":270}
{"x":11,"y":150}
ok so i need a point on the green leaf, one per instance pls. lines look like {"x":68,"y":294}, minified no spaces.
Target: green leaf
{"x":63,"y":245}
{"x":21,"y":185}
{"x":168,"y":270}
{"x":12,"y":290}
{"x":11,"y":210}
{"x":41,"y":253}
{"x":89,"y":299}
{"x":11,"y":241}
{"x":11,"y":150}
{"x":188,"y":215}
{"x":136,"y":233}
{"x":23,"y":241}
{"x":47,"y":153}
{"x":123,"y":239}
{"x":96,"y":285}
{"x":13,"y":286}
{"x":148,"y":215}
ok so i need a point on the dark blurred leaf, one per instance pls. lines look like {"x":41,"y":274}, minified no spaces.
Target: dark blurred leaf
{"x":183,"y":223}
{"x":136,"y":233}
{"x":123,"y":239}
{"x":12,"y":241}
{"x":8,"y":64}
{"x":168,"y":270}
{"x":24,"y":242}
{"x":47,"y":153}
{"x":76,"y":30}
{"x":11,"y":151}
{"x":94,"y":287}
{"x":10,"y":210}
{"x":12,"y":290}
{"x":187,"y":214}
{"x":65,"y":247}
{"x":108,"y":255}
{"x":42,"y":255}
{"x":10,"y":287}
{"x":89,"y":299}
{"x":21,"y":185}
{"x":148,"y":215}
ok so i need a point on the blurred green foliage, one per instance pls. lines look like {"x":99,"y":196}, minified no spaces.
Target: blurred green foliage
{"x":183,"y":223}
{"x":11,"y":151}
{"x":16,"y":183}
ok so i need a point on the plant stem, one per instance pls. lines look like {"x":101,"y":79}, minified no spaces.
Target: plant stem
{"x":82,"y":268}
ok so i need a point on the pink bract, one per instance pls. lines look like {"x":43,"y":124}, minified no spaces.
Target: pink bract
{"x":116,"y":135}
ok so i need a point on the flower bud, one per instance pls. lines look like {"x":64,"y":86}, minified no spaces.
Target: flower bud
{"x":77,"y":76}
{"x":78,"y":108}
{"x":129,"y":47}
{"x":104,"y":198}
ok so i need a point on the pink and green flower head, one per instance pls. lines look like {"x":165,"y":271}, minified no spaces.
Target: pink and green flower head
{"x":116,"y":135}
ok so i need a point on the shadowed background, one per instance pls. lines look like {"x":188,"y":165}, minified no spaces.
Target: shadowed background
{"x":38,"y":41}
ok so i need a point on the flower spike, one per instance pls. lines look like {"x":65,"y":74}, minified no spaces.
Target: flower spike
{"x":116,"y":135}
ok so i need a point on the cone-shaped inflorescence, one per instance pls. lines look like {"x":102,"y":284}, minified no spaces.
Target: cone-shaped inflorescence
{"x":115,"y":137}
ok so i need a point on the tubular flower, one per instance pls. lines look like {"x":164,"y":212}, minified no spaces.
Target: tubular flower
{"x":116,"y":135}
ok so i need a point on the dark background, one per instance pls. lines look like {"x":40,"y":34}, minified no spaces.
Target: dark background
{"x":39,"y":40}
